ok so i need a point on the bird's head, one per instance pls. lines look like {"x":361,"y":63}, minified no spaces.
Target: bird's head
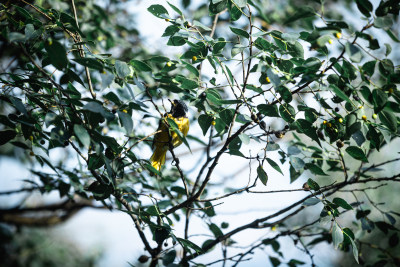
{"x":178,"y":108}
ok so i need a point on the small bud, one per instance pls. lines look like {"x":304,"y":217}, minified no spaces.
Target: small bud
{"x":213,"y":123}
{"x":338,"y":35}
{"x":169,"y":64}
{"x":364,"y":117}
{"x":339,"y":144}
{"x":330,"y":41}
{"x":194,"y":58}
{"x":143,"y":259}
{"x":267,"y":80}
{"x":279,"y":135}
{"x":374,"y":116}
{"x":340,"y":120}
{"x":306,"y":186}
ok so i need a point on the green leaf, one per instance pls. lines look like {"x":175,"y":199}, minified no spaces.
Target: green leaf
{"x":297,"y":163}
{"x":296,"y":50}
{"x":268,"y":110}
{"x":294,"y":175}
{"x":275,"y":80}
{"x":337,"y":235}
{"x":159,"y":11}
{"x":354,"y":52}
{"x":274,"y":165}
{"x":170,"y":30}
{"x":237,"y":49}
{"x":187,"y":83}
{"x":122,"y":69}
{"x":169,"y":257}
{"x":392,"y":36}
{"x":200,"y":25}
{"x":369,"y":67}
{"x":90,"y":63}
{"x":379,"y":99}
{"x":140,"y":65}
{"x":291,"y":37}
{"x":208,"y":208}
{"x":227,"y":116}
{"x":95,"y":162}
{"x":94,"y":106}
{"x":355,"y":250}
{"x":240,"y":32}
{"x":274,"y":261}
{"x":100,"y":191}
{"x":365,"y":7}
{"x":342,"y":203}
{"x":188,"y":244}
{"x":311,"y":201}
{"x":262,"y":175}
{"x":82,"y":135}
{"x":191,"y":68}
{"x":235,"y":12}
{"x":315,"y":169}
{"x":175,"y":128}
{"x":16,"y":37}
{"x":313,"y":185}
{"x":160,"y":234}
{"x":216,"y":7}
{"x":383,"y":22}
{"x":287,"y":112}
{"x":177,"y":10}
{"x":386,"y":67}
{"x":389,"y":120}
{"x":57,"y":54}
{"x":126,"y":121}
{"x":6,"y":136}
{"x":356,"y":153}
{"x":229,"y":74}
{"x":388,"y":49}
{"x":285,"y":94}
{"x":215,"y":230}
{"x":205,"y":122}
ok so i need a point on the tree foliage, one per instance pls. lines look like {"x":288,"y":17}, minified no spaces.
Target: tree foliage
{"x":287,"y":88}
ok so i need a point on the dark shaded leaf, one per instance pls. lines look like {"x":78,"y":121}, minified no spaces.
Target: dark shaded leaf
{"x":356,"y":153}
{"x":6,"y":136}
{"x":262,"y":175}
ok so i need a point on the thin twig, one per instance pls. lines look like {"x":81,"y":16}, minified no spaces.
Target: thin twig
{"x":82,"y":53}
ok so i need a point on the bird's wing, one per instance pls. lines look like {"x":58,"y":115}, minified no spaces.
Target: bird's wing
{"x":161,"y":137}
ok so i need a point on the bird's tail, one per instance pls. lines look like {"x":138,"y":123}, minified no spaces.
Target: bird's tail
{"x":158,"y":158}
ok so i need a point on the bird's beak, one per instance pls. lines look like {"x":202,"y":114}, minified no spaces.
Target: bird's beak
{"x":172,"y":103}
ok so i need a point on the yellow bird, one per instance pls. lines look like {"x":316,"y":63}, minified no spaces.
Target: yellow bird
{"x":161,"y":139}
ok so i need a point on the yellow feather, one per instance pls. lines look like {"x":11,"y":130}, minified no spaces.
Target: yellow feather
{"x":161,"y":139}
